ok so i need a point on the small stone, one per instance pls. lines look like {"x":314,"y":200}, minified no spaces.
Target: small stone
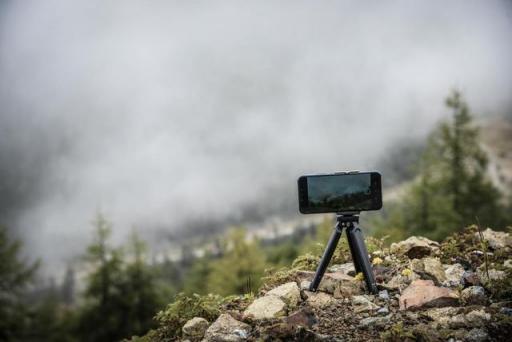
{"x":473,"y":295}
{"x":363,"y":304}
{"x":453,"y":275}
{"x":319,"y":300}
{"x":383,"y":311}
{"x":374,"y":322}
{"x":470,"y":278}
{"x":477,"y":335}
{"x":195,"y":328}
{"x":346,"y":268}
{"x":415,"y":247}
{"x":477,"y":318}
{"x":423,"y":293}
{"x":304,"y":285}
{"x":226,"y":328}
{"x":266,"y":307}
{"x":303,"y":317}
{"x":288,"y":292}
{"x":496,"y":240}
{"x":429,"y":268}
{"x":384,"y":295}
{"x":487,"y":282}
{"x":508,"y":263}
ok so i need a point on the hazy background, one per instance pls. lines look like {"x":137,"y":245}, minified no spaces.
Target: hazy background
{"x":171,"y":116}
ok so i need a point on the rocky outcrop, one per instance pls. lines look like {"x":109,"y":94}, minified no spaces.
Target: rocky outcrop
{"x":266,"y":307}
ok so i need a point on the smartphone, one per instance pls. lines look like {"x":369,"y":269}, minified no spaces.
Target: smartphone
{"x":340,"y":192}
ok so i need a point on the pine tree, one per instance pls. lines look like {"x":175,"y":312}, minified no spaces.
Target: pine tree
{"x":240,"y":268}
{"x":452,"y":189}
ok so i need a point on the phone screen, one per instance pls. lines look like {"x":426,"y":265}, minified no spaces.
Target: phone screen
{"x":340,"y":192}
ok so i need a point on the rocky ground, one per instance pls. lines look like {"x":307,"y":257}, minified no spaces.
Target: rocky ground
{"x":459,"y":290}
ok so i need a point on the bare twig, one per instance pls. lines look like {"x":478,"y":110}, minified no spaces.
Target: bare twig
{"x":484,"y":245}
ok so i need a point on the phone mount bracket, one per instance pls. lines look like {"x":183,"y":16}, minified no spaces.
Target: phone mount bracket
{"x":348,"y":221}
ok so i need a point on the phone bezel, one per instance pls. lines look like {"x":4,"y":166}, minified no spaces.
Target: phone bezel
{"x":376,"y":186}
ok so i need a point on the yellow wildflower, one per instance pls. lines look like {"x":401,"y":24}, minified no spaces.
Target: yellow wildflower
{"x":359,"y":276}
{"x":406,"y":272}
{"x":377,"y":261}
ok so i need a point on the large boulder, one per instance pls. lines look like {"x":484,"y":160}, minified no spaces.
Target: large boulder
{"x":195,"y":328}
{"x":227,"y":329}
{"x":496,"y":240}
{"x":424,"y":294}
{"x":288,"y":292}
{"x":415,"y":247}
{"x":266,"y":307}
{"x":429,"y":268}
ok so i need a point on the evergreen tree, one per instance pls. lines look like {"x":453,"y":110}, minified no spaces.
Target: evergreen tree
{"x":240,"y":268}
{"x":452,"y":189}
{"x":15,"y":275}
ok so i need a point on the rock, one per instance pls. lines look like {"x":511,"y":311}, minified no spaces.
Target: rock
{"x":347,"y":268}
{"x":384,"y":295}
{"x":476,"y":335}
{"x":453,"y":275}
{"x":303,"y":317}
{"x":266,"y":307}
{"x":319,"y":300}
{"x":331,"y":281}
{"x":429,"y":268}
{"x":415,"y":247}
{"x":477,"y":318}
{"x":442,"y":316}
{"x":374,"y":322}
{"x":508,"y":263}
{"x":400,"y":282}
{"x":473,"y":295}
{"x":383,"y":311}
{"x":288,"y":292}
{"x":470,"y":278}
{"x":424,"y":294}
{"x":506,"y":311}
{"x":304,"y":285}
{"x":195,"y":328}
{"x":363,"y":304}
{"x":493,"y":275}
{"x":227,"y":329}
{"x":496,"y":240}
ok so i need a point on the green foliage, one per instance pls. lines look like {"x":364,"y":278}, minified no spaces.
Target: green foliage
{"x":240,"y":268}
{"x":186,"y":307}
{"x":451,"y":190}
{"x":15,"y":275}
{"x":121,"y":296}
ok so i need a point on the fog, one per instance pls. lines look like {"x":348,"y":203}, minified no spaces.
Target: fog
{"x":168,"y":116}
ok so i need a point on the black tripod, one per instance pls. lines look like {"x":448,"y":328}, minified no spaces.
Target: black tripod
{"x":358,"y":250}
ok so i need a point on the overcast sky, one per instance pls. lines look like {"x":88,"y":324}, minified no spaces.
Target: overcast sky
{"x":164,"y":113}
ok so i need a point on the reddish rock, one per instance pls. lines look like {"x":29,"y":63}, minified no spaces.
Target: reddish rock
{"x":424,"y":294}
{"x":303,"y":317}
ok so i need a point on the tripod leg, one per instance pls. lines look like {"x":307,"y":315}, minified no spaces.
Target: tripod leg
{"x":326,"y":258}
{"x":355,"y":257}
{"x":361,"y":260}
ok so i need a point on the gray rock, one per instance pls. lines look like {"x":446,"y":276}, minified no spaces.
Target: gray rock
{"x":477,"y":335}
{"x":429,"y":268}
{"x":453,"y":275}
{"x":383,"y":311}
{"x":384,"y":295}
{"x":473,"y":295}
{"x":363,"y":304}
{"x":227,"y":329}
{"x":374,"y":322}
{"x":304,"y":285}
{"x":496,"y":240}
{"x":477,"y":318}
{"x":415,"y":247}
{"x":266,"y":307}
{"x":506,"y":311}
{"x":508,"y":263}
{"x":487,"y":282}
{"x":288,"y":292}
{"x":347,"y":268}
{"x":195,"y":328}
